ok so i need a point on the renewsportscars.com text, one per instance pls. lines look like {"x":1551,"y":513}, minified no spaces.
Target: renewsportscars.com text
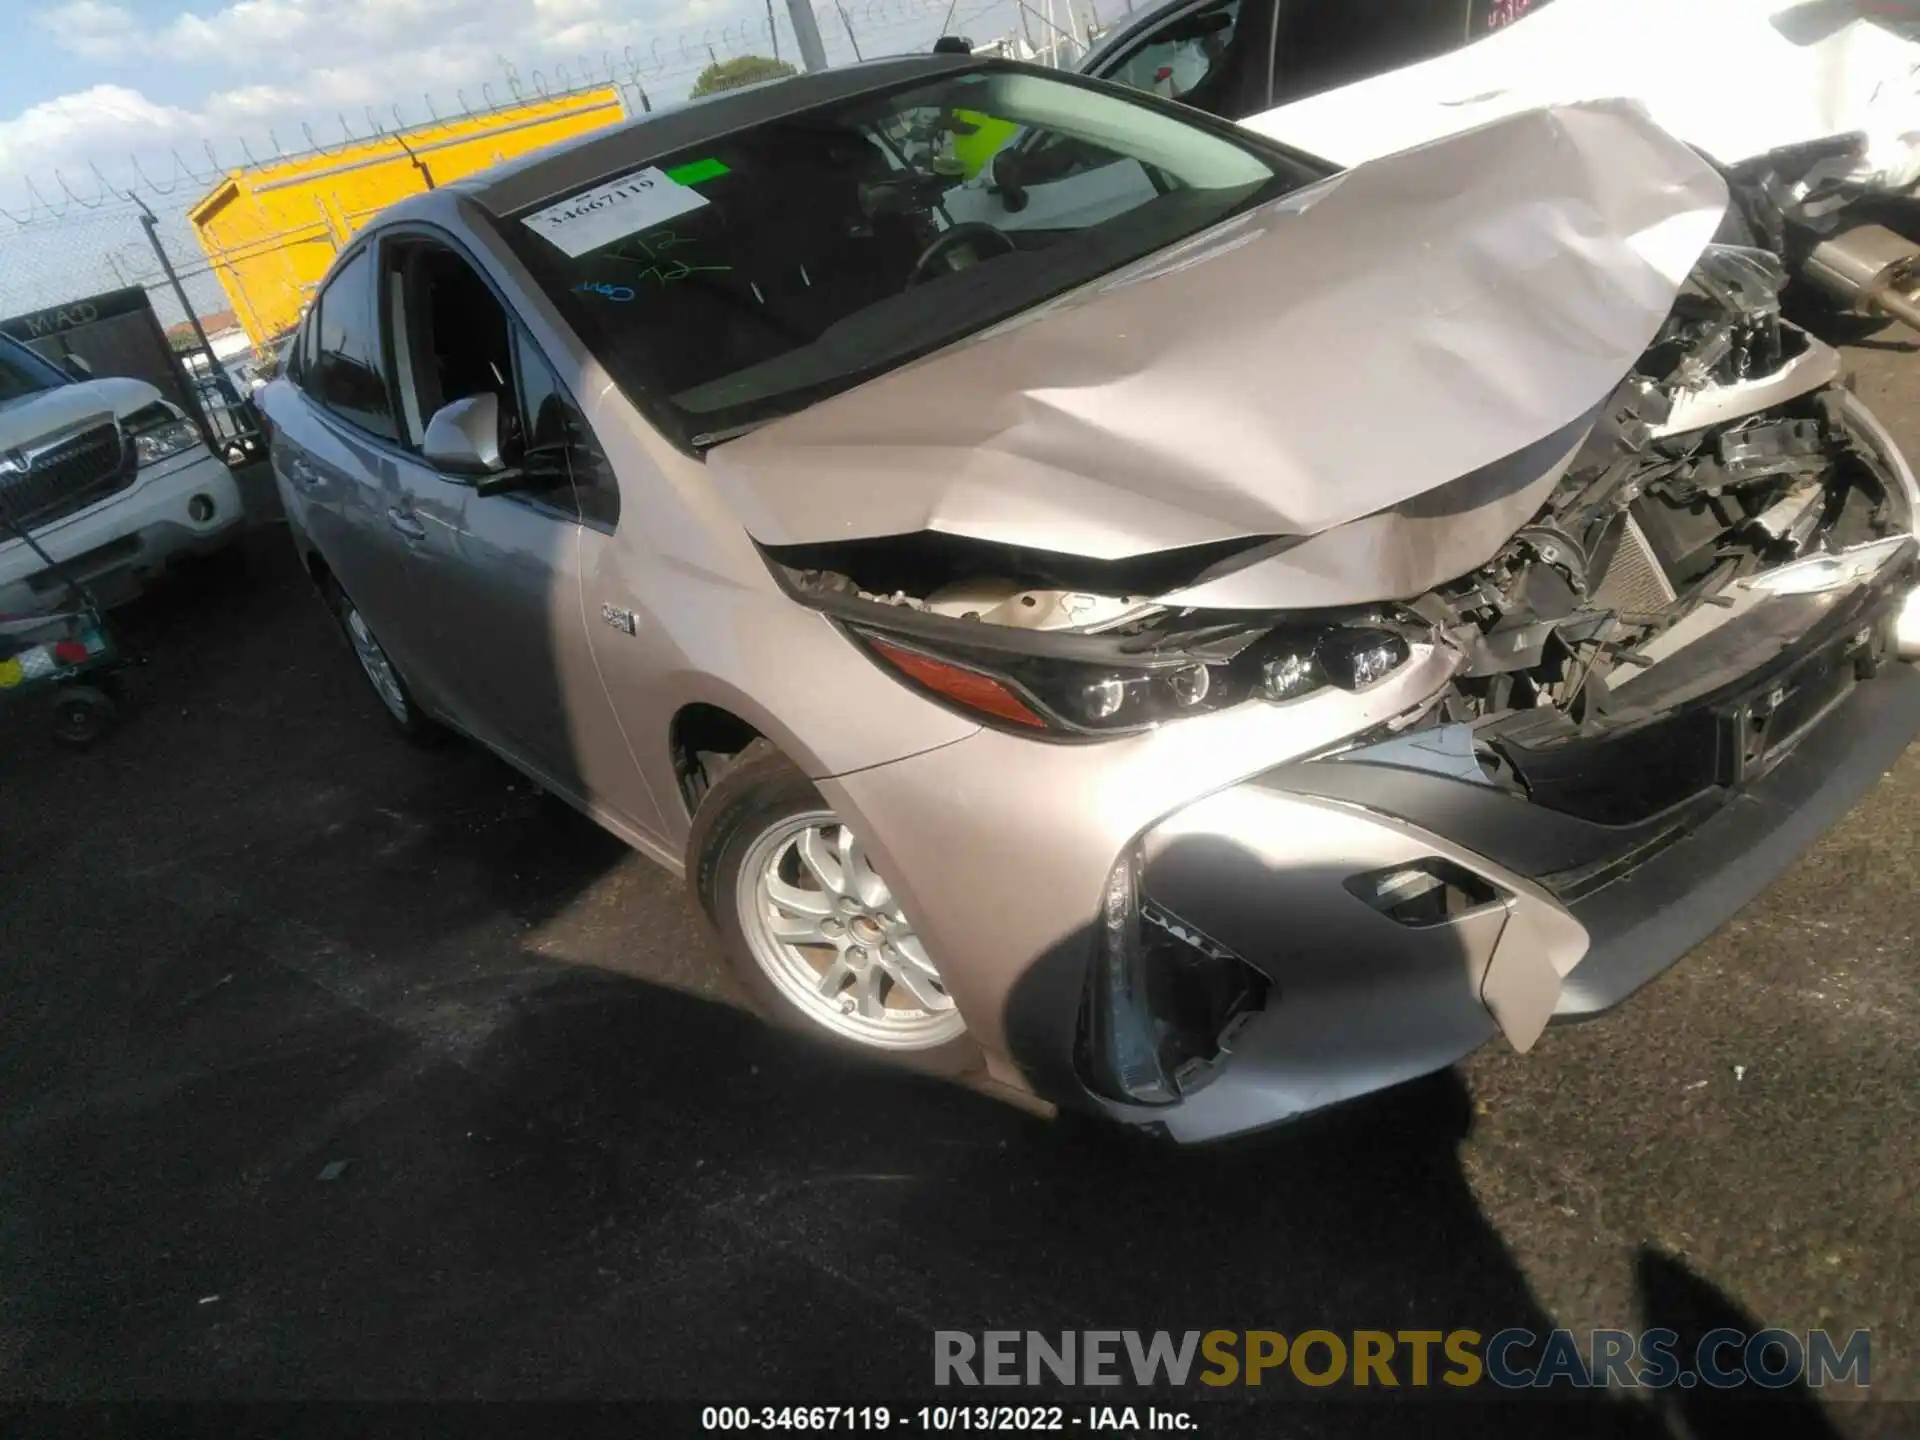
{"x":1509,"y":1359}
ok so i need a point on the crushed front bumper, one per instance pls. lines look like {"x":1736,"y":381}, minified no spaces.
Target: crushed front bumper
{"x":1235,"y":837}
{"x":1361,"y":1001}
{"x":1550,"y":914}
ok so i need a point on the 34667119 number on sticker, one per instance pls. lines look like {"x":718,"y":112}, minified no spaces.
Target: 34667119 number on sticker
{"x":613,"y":211}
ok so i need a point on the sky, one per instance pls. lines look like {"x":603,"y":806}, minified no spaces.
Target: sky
{"x":98,"y":97}
{"x":93,"y":80}
{"x":99,"y":80}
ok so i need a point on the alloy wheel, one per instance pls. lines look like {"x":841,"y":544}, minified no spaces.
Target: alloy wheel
{"x":824,"y":927}
{"x":380,"y":672}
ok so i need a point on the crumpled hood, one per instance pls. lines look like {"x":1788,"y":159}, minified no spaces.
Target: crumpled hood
{"x":1333,"y":354}
{"x":27,"y":419}
{"x":1737,"y":78}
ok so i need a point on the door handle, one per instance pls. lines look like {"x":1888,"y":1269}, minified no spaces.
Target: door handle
{"x":406,"y":524}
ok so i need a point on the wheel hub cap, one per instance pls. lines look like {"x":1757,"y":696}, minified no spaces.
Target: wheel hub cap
{"x":824,"y":927}
{"x":379,"y":669}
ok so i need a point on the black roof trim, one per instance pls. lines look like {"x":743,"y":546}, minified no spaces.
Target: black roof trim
{"x":567,"y":168}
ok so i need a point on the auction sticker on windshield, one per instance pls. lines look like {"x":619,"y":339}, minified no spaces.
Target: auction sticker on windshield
{"x":613,"y":211}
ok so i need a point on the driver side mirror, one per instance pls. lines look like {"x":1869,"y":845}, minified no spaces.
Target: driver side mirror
{"x":463,"y":440}
{"x":463,"y":437}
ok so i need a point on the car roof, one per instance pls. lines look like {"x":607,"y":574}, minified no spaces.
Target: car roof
{"x":562,"y":169}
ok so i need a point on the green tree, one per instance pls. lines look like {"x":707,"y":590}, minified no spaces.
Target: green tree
{"x":742,"y":70}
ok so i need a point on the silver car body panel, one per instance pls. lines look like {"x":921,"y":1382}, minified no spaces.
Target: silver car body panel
{"x":1493,"y":286}
{"x":985,"y":788}
{"x":1487,"y":293}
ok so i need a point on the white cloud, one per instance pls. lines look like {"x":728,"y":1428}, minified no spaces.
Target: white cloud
{"x":294,"y":35}
{"x":93,"y":29}
{"x":289,"y":61}
{"x":106,"y":120}
{"x":270,"y":65}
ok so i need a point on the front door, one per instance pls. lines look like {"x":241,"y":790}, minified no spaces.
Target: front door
{"x":505,"y":591}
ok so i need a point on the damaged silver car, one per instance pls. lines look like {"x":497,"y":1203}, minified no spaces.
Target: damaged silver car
{"x":1240,"y":639}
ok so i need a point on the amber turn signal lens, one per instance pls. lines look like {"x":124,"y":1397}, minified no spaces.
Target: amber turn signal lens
{"x":968,"y":688}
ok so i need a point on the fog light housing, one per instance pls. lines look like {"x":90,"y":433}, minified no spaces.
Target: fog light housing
{"x":201,"y":509}
{"x":1163,"y":1000}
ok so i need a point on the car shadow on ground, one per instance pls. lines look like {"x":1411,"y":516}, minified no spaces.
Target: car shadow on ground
{"x":292,"y":1108}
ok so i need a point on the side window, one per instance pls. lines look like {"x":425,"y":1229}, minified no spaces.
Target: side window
{"x":451,"y":339}
{"x":553,"y":431}
{"x":348,"y":377}
{"x":1183,"y":59}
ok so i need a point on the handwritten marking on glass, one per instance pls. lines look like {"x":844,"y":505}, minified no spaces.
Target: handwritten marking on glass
{"x":665,"y":271}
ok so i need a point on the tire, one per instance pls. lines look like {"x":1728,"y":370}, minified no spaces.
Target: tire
{"x":754,"y":818}
{"x":396,"y":700}
{"x":83,"y":716}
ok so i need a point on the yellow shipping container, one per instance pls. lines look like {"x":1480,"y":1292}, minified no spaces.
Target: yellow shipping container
{"x":270,"y":232}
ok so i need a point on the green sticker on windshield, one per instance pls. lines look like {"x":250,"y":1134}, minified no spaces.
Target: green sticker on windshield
{"x":694,"y":171}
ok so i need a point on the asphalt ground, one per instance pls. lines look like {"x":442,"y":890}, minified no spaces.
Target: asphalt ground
{"x":334,"y":1069}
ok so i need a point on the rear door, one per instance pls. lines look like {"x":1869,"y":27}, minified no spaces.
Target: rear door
{"x":340,"y":448}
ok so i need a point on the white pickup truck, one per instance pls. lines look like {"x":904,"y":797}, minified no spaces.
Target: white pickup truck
{"x":111,"y":479}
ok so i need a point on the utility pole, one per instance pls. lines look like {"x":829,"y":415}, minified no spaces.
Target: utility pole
{"x":151,"y":224}
{"x":773,"y":32}
{"x":806,"y":31}
{"x":849,"y":24}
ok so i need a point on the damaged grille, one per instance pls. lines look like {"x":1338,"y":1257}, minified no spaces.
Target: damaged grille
{"x":38,"y":487}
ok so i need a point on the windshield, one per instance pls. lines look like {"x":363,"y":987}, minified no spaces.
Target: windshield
{"x":778,"y":264}
{"x":24,"y":373}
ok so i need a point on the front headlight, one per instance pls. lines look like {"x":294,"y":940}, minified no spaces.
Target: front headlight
{"x":159,"y":432}
{"x":1067,"y":687}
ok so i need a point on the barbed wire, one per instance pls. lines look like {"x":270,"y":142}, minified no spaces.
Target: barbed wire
{"x":640,"y":73}
{"x":78,"y":233}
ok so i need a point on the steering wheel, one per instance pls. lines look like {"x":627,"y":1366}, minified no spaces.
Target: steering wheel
{"x":965,"y":233}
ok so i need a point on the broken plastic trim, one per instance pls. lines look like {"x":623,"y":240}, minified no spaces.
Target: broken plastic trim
{"x":926,"y":560}
{"x":1163,"y":1000}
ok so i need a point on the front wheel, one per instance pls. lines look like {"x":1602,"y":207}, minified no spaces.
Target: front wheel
{"x":809,"y":927}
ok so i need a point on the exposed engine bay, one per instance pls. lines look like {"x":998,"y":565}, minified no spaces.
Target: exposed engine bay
{"x":1651,"y":523}
{"x":1728,"y":469}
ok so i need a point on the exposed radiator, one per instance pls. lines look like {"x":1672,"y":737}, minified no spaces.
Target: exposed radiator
{"x":1634,"y":581}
